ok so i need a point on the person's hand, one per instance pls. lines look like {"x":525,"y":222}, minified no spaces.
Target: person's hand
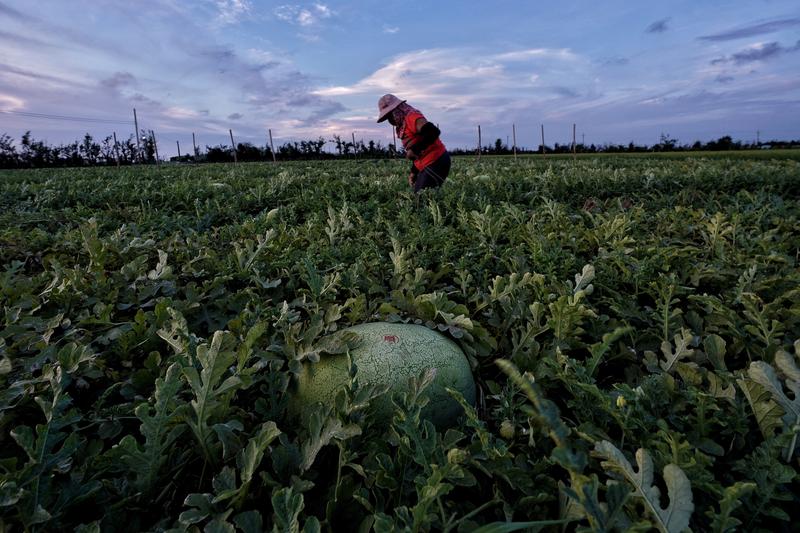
{"x":411,"y":155}
{"x":411,"y":179}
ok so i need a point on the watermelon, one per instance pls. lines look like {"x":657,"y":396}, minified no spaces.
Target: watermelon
{"x":387,"y":354}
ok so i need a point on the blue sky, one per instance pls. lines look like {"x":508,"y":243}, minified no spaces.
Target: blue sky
{"x":621,"y":70}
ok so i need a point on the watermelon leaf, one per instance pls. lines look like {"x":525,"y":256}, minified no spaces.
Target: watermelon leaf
{"x":211,"y":387}
{"x":324,"y":427}
{"x":681,"y":351}
{"x":723,"y":522}
{"x":764,"y":375}
{"x":159,"y":430}
{"x":287,"y":506}
{"x":675,"y":518}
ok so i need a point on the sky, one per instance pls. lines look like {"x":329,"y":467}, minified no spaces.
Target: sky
{"x":622,"y":71}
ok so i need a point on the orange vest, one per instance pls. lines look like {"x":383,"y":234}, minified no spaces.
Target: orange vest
{"x":411,"y":136}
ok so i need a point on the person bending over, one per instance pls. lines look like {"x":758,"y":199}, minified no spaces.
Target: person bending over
{"x":430,"y":160}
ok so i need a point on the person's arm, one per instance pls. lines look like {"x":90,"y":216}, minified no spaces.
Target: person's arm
{"x":428,"y":134}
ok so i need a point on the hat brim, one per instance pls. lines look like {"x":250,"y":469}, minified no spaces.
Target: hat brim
{"x":388,"y":111}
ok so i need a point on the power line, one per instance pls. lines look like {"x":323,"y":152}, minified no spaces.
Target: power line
{"x":92,"y":120}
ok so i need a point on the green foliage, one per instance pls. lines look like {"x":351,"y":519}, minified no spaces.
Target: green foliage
{"x":153,"y":320}
{"x":160,"y":431}
{"x":731,"y":500}
{"x":676,"y":516}
{"x":49,"y":450}
{"x":210,"y":388}
{"x":764,"y":375}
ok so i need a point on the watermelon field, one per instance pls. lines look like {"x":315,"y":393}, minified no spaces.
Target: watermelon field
{"x":632,"y":325}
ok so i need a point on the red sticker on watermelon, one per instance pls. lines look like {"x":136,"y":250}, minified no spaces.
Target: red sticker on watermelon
{"x":390,"y":338}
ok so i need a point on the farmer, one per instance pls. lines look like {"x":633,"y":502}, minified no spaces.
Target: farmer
{"x":431,"y":162}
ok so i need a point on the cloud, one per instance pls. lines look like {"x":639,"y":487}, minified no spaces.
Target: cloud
{"x":10,"y":103}
{"x":468,"y":86}
{"x":659,"y":26}
{"x":534,"y":53}
{"x":302,"y":16}
{"x":616,"y":62}
{"x":7,"y":70}
{"x":178,"y":112}
{"x":268,"y":86}
{"x":231,"y":11}
{"x":754,"y":29}
{"x":182,"y":79}
{"x":264,"y":58}
{"x":757,"y":52}
{"x":144,"y":100}
{"x":323,"y":112}
{"x":17,"y":38}
{"x":446,"y":73}
{"x":463,"y":86}
{"x":119,"y":79}
{"x":323,"y":10}
{"x":566,"y":92}
{"x":60,"y":36}
{"x":691,"y":110}
{"x":10,"y":12}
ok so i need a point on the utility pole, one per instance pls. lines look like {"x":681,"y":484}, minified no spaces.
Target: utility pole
{"x":155,"y":146}
{"x":272,"y":147}
{"x":179,"y":149}
{"x":583,"y":140}
{"x":116,"y":148}
{"x":233,"y":146}
{"x":194,"y":145}
{"x":573,"y":143}
{"x":543,"y":150}
{"x":514,"y":133}
{"x":479,"y":142}
{"x":355,"y":153}
{"x":138,"y":146}
{"x":758,"y":137}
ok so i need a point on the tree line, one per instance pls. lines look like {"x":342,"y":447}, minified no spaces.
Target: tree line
{"x":666,"y":144}
{"x":32,"y":153}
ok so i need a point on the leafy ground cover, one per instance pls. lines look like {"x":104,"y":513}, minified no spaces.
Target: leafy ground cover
{"x":632,"y":322}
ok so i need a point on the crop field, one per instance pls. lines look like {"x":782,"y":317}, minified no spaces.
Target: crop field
{"x":632,"y":323}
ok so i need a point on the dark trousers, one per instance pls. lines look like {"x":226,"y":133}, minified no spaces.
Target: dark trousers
{"x":434,"y":174}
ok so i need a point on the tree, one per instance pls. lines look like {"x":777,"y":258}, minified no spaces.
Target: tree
{"x":89,"y":150}
{"x":107,"y":152}
{"x":36,"y":153}
{"x":723,"y":143}
{"x":666,"y":144}
{"x":8,"y":152}
{"x":339,"y":144}
{"x":127,"y":150}
{"x":248,"y":152}
{"x":218,"y":154}
{"x":148,"y":144}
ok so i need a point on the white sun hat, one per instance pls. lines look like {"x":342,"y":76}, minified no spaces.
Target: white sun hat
{"x":386,"y":105}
